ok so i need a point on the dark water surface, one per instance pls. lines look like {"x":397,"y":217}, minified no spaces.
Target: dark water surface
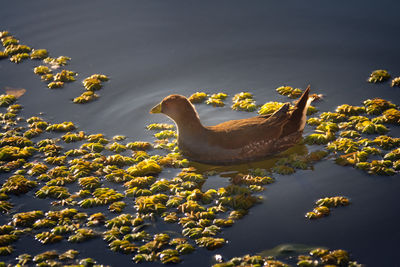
{"x":154,"y":48}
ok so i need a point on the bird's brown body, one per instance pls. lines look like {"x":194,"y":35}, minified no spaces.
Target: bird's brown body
{"x":234,"y":141}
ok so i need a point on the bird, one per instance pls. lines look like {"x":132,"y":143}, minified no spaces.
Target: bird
{"x":235,"y":141}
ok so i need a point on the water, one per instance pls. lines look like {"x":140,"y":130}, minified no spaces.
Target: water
{"x":154,"y":48}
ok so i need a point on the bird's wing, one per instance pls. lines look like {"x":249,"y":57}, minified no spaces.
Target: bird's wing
{"x":239,"y":133}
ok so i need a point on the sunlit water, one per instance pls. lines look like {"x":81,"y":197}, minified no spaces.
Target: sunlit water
{"x":154,"y":48}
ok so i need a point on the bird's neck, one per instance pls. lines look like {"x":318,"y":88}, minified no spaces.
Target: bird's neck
{"x":188,"y":125}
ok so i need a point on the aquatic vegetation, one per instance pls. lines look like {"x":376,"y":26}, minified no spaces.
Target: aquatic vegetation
{"x":117,"y":207}
{"x":57,"y":62}
{"x":73,"y":137}
{"x":210,"y":243}
{"x":9,"y":40}
{"x":92,"y":84}
{"x":48,"y":237}
{"x":145,"y":167}
{"x":197,"y":97}
{"x":17,"y":58}
{"x":319,"y":138}
{"x":17,"y":184}
{"x":54,"y":85}
{"x":65,"y":76}
{"x":116,"y":147}
{"x":289,"y":91}
{"x":333,"y":201}
{"x":395,"y":82}
{"x":165,"y":134}
{"x":311,"y":110}
{"x":27,"y":218}
{"x":391,"y":116}
{"x":216,"y":100}
{"x":343,"y":144}
{"x":47,"y":77}
{"x":270,"y":107}
{"x":369,"y":127}
{"x":61,"y":127}
{"x":6,"y":250}
{"x":139,"y":145}
{"x":39,"y":54}
{"x":160,"y":126}
{"x":244,"y":101}
{"x":244,"y":105}
{"x":85,"y":97}
{"x":324,"y":205}
{"x":393,"y":155}
{"x":378,"y":76}
{"x":68,"y":255}
{"x":13,"y":49}
{"x":333,"y":117}
{"x":81,"y":235}
{"x":152,"y":203}
{"x":123,"y":246}
{"x":386,"y":142}
{"x":54,"y":191}
{"x":377,"y":105}
{"x":350,"y":110}
{"x":5,"y":206}
{"x":7,"y":100}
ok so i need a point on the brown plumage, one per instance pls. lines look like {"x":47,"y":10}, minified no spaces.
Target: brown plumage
{"x":234,"y":141}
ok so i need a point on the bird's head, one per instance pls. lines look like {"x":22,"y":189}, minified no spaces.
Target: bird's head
{"x":177,"y":107}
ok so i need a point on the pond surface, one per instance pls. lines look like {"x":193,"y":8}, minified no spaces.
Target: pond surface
{"x":151,"y":49}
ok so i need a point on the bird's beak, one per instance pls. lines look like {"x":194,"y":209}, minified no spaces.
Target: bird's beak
{"x":156,"y":109}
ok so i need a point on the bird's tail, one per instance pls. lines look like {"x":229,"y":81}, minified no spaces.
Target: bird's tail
{"x":298,"y":118}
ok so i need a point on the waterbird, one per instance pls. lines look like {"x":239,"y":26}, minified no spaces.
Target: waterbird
{"x":235,"y":141}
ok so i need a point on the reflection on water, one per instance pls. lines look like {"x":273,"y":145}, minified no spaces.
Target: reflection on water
{"x":152,"y":49}
{"x":268,"y":163}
